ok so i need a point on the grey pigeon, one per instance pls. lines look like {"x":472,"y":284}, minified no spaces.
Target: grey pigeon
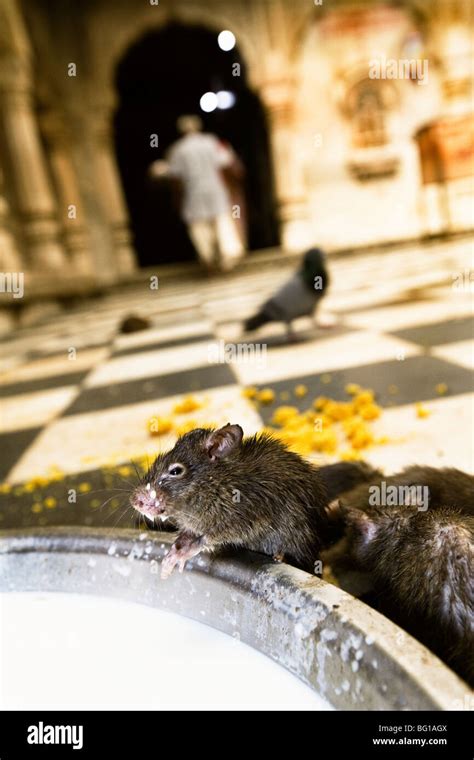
{"x":298,"y":296}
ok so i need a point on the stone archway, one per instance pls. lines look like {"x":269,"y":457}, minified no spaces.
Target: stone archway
{"x":156,"y":82}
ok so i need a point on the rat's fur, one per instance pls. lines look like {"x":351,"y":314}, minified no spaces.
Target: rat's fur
{"x":250,"y":493}
{"x":447,"y":487}
{"x":422,"y":566}
{"x":341,"y":477}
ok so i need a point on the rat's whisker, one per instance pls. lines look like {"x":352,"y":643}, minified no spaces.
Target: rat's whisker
{"x":104,"y":504}
{"x":139,"y":477}
{"x":127,"y":508}
{"x":128,"y":482}
{"x":101,"y":490}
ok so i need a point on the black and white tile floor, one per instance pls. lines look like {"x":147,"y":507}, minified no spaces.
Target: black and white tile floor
{"x":400,"y":322}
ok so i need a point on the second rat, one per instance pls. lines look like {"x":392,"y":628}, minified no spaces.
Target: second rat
{"x":223,"y":490}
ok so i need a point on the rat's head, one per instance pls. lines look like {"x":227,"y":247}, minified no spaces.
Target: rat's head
{"x":177,"y":481}
{"x":362,"y":531}
{"x":371,"y":532}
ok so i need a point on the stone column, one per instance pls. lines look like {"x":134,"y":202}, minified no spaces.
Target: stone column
{"x":277,"y":93}
{"x":10,"y":260}
{"x":273,"y":26}
{"x":110,"y":194}
{"x":71,"y":211}
{"x":33,"y":191}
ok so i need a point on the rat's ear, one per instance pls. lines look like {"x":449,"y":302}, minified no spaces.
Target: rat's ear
{"x":361,"y":524}
{"x":335,"y":510}
{"x":220,"y":443}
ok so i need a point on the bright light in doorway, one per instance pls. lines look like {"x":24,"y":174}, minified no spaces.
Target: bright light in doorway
{"x":225,"y":99}
{"x":208,"y":102}
{"x":226,"y":40}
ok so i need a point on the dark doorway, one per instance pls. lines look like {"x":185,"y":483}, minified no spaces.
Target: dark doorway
{"x":161,"y":77}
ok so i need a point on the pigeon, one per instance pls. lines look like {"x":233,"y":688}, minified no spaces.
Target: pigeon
{"x":298,"y":297}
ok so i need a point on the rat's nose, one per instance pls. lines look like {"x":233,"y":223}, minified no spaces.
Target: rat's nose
{"x":145,"y":500}
{"x":138,"y":500}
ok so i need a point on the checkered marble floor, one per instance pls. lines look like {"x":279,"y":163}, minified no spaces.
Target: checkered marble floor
{"x":76,"y":395}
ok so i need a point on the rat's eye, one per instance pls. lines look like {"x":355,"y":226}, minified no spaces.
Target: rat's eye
{"x":176,"y":470}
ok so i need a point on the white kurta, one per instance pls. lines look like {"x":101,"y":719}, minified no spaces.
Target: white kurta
{"x":197,"y":159}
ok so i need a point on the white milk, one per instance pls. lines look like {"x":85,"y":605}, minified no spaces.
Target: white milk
{"x":67,"y":651}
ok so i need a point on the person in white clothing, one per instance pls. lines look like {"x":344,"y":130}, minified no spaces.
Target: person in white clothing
{"x":198,"y":161}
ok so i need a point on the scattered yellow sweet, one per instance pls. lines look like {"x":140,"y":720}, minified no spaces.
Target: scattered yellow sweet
{"x":363,"y":398}
{"x":36,"y":508}
{"x":362,"y":439}
{"x":283,"y":414}
{"x":326,"y":379}
{"x":266,"y":396}
{"x":285,"y":396}
{"x":298,"y":423}
{"x":358,"y":434}
{"x":319,"y":421}
{"x":5,"y":488}
{"x":320,"y":402}
{"x":249,"y":392}
{"x":188,"y":404}
{"x":325,"y":441}
{"x":300,"y":391}
{"x":295,"y":441}
{"x":50,"y":502}
{"x":185,"y":427}
{"x":441,"y":389}
{"x":352,"y":389}
{"x":86,"y":487}
{"x":125,"y":471}
{"x":422,"y":411}
{"x":159,"y":425}
{"x":370,"y":411}
{"x":349,"y":455}
{"x":338,"y":410}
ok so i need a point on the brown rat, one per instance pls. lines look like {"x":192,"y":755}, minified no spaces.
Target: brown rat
{"x":223,"y":490}
{"x":418,"y":486}
{"x":422,"y":566}
{"x":337,"y":478}
{"x":446,"y":487}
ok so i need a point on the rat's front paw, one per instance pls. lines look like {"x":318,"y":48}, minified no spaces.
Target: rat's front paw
{"x":169,"y":562}
{"x":186,"y":546}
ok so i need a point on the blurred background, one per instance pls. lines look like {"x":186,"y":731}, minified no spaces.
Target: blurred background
{"x":90,"y":94}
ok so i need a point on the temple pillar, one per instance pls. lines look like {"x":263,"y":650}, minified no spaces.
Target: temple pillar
{"x":277,"y":93}
{"x":110,"y":194}
{"x":10,"y":259}
{"x":33,"y":192}
{"x":71,"y":211}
